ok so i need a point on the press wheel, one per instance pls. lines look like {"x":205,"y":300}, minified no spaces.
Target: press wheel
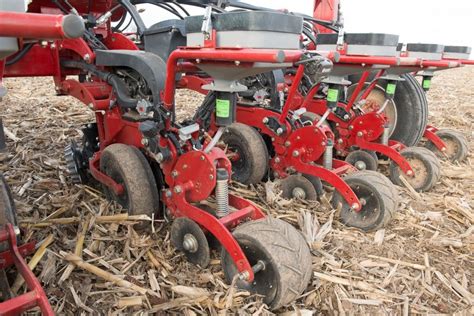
{"x":426,"y":167}
{"x":378,"y":196}
{"x":286,"y":257}
{"x":456,"y":145}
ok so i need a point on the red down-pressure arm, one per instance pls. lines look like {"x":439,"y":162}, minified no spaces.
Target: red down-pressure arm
{"x":40,"y":26}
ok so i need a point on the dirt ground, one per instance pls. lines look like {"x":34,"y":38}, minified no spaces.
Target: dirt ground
{"x":422,"y":263}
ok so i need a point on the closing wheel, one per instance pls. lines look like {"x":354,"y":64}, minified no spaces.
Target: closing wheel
{"x":363,"y":160}
{"x":378,"y":196}
{"x":456,"y":145}
{"x":127,"y":166}
{"x":248,"y":153}
{"x":299,"y":187}
{"x":425,"y":165}
{"x":408,"y":112}
{"x":189,"y":238}
{"x":7,"y":216}
{"x":285,"y":256}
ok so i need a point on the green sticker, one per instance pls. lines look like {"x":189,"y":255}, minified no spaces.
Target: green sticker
{"x":391,"y":87}
{"x":333,"y":95}
{"x":222,"y":108}
{"x":426,"y":83}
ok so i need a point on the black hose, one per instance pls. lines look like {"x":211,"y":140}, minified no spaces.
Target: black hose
{"x":120,"y":88}
{"x":20,"y":55}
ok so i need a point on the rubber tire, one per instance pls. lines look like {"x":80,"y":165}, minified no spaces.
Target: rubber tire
{"x":455,"y":136}
{"x":127,"y":165}
{"x":289,"y":254}
{"x":297,"y":181}
{"x":371,"y":162}
{"x":7,"y":209}
{"x":430,"y":161}
{"x":253,"y":152}
{"x":412,"y":109}
{"x":385,"y":192}
{"x":7,"y":215}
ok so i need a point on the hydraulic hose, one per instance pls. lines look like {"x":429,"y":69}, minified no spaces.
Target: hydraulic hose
{"x":120,"y":88}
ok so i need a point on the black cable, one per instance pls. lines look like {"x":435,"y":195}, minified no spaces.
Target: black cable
{"x":125,"y":27}
{"x":173,"y":10}
{"x":16,"y":58}
{"x":181,"y":7}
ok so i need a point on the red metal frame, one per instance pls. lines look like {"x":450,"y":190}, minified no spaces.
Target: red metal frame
{"x":16,"y":24}
{"x":36,"y":295}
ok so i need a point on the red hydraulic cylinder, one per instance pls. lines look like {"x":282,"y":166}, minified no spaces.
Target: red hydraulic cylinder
{"x":40,"y":26}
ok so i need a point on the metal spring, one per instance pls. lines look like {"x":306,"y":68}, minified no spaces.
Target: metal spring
{"x":222,"y":192}
{"x":327,"y":159}
{"x":385,"y":135}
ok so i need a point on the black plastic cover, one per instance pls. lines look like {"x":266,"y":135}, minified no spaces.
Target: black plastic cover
{"x":164,"y":37}
{"x":458,"y":49}
{"x":425,"y":48}
{"x":248,"y":21}
{"x":375,"y":39}
{"x":150,"y":66}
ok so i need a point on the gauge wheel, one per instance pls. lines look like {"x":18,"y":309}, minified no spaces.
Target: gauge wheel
{"x":426,"y":167}
{"x":378,"y":196}
{"x":247,"y":152}
{"x":129,"y":167}
{"x":299,"y":187}
{"x":456,"y":145}
{"x":363,"y":160}
{"x":286,"y":257}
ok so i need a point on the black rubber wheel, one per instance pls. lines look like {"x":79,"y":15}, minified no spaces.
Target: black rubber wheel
{"x":7,"y":209}
{"x":252,"y":163}
{"x":297,"y":186}
{"x":424,"y":163}
{"x":317,"y":184}
{"x":363,"y":160}
{"x":288,"y":264}
{"x":197,"y":249}
{"x":127,"y":166}
{"x":456,"y":145}
{"x":7,"y":216}
{"x":313,"y":118}
{"x":379,"y":198}
{"x":412,"y":109}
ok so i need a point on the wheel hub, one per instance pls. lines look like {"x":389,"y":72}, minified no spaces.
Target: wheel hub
{"x":299,"y":193}
{"x":190,"y":243}
{"x":360,"y":165}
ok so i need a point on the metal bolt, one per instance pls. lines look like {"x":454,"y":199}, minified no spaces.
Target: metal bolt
{"x":443,"y":149}
{"x":359,"y":134}
{"x":244,"y":275}
{"x":190,"y":243}
{"x":144,"y":141}
{"x":90,"y":106}
{"x":340,"y":141}
{"x":296,"y":153}
{"x":277,"y":160}
{"x":279,"y":131}
{"x":87,"y":57}
{"x":202,"y":157}
{"x":178,"y":189}
{"x":198,"y":61}
{"x":159,"y":157}
{"x":351,"y":127}
{"x":360,"y":165}
{"x":168,"y":193}
{"x":346,"y":117}
{"x":298,"y":193}
{"x":237,"y":62}
{"x":287,"y":143}
{"x":355,"y":206}
{"x":265,"y":120}
{"x":174,"y":173}
{"x":273,"y":139}
{"x":211,"y":177}
{"x":409,"y":172}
